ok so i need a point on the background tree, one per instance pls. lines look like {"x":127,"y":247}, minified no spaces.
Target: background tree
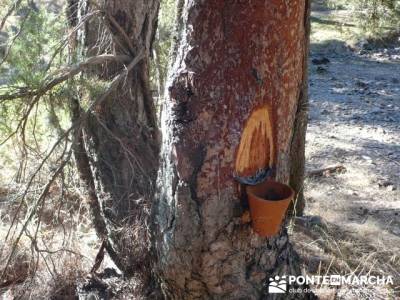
{"x":116,"y":148}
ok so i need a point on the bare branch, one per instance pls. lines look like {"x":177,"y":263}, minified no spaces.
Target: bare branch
{"x":14,"y":38}
{"x":119,"y":78}
{"x":111,"y":21}
{"x":41,"y":198}
{"x":113,"y":85}
{"x":9,"y":12}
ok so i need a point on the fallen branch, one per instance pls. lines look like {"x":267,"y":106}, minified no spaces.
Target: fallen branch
{"x":326,"y":172}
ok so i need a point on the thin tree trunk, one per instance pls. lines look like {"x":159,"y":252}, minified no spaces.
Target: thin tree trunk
{"x":297,"y":151}
{"x":235,"y":61}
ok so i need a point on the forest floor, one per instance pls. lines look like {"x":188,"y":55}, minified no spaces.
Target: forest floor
{"x":354,"y":123}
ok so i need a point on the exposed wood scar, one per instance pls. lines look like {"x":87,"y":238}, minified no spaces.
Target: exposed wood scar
{"x":256,"y":149}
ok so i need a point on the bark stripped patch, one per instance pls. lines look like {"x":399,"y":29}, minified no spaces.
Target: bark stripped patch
{"x":256,"y":149}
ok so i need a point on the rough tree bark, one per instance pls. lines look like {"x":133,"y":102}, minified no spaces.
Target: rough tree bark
{"x":117,"y":147}
{"x":234,"y":92}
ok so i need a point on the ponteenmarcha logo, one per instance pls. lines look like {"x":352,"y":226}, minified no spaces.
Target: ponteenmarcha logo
{"x":280,"y":284}
{"x":277,"y":285}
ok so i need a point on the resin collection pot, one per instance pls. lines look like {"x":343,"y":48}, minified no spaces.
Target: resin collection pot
{"x":268,"y":202}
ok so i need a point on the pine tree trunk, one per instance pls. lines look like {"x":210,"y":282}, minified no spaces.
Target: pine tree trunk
{"x":235,"y":61}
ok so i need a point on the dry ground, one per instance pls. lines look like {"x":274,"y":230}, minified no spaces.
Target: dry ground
{"x":354,"y":122}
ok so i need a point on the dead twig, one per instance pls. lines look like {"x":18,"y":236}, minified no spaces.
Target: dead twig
{"x":99,"y":257}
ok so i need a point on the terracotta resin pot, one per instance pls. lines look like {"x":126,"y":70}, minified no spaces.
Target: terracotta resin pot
{"x":268,"y":202}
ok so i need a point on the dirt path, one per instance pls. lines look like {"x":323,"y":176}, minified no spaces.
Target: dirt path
{"x":354,"y":121}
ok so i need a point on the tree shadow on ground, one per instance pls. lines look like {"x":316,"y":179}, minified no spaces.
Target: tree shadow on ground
{"x":330,"y":22}
{"x":352,"y":88}
{"x":388,"y":219}
{"x":373,"y":157}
